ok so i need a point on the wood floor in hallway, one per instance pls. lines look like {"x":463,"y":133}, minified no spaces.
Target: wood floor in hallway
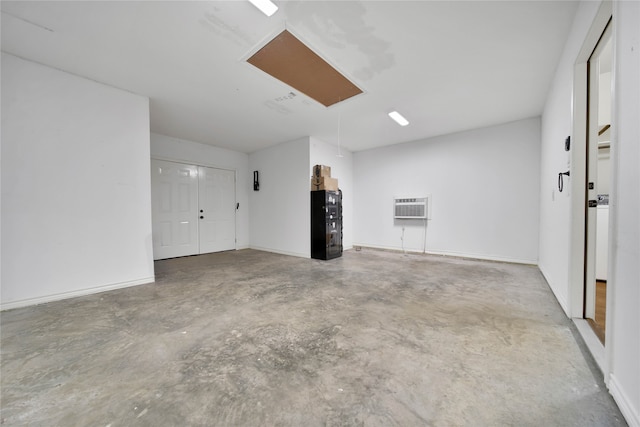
{"x":598,"y":323}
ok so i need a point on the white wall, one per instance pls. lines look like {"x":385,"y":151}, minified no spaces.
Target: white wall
{"x":279,"y":214}
{"x":484,"y":186}
{"x":623,"y":338}
{"x":168,"y":148}
{"x":323,"y":153}
{"x":604,"y":171}
{"x":558,"y":251}
{"x":76,"y":199}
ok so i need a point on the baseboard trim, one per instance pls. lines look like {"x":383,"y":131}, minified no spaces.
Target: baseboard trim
{"x":450,"y":254}
{"x":277,"y":251}
{"x":630,"y":414}
{"x":72,"y":294}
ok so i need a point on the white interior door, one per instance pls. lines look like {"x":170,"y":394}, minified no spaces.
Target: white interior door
{"x":193,"y":209}
{"x":174,"y":198}
{"x":217,"y":211}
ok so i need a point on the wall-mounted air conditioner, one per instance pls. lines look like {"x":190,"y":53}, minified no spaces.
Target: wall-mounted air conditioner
{"x":412,"y":208}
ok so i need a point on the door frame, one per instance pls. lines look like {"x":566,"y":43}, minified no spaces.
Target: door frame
{"x":578,"y":169}
{"x":592,"y":158}
{"x":214,"y":166}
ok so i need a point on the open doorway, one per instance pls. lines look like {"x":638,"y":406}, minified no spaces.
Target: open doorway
{"x":598,"y":177}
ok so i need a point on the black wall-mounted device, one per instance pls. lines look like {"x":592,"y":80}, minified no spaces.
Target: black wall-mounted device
{"x":256,"y":181}
{"x":567,"y":143}
{"x":561,"y":180}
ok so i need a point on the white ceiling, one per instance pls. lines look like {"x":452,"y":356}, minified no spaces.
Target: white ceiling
{"x":446,"y":66}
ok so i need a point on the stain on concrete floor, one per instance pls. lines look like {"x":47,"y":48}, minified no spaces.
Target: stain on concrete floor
{"x":248,"y":338}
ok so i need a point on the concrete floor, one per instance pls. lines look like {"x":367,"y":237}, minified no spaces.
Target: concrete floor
{"x":249,"y":338}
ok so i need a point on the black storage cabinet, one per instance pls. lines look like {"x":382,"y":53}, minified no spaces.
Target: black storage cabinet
{"x":326,"y":224}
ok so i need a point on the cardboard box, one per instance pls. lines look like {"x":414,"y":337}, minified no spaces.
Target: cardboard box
{"x":324,"y":183}
{"x":326,"y":180}
{"x":321,"y":170}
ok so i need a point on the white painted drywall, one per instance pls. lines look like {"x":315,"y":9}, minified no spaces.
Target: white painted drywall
{"x":555,"y":207}
{"x":604,"y":171}
{"x":623,"y":335}
{"x":167,"y":148}
{"x":323,"y":153}
{"x":484,"y":185}
{"x":622,"y":345}
{"x":604,"y":99}
{"x":76,"y":195}
{"x":279,"y":213}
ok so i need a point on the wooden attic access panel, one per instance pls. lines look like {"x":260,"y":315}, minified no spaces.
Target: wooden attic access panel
{"x":289,"y":60}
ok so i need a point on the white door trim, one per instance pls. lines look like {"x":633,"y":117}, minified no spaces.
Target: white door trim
{"x":579,"y":171}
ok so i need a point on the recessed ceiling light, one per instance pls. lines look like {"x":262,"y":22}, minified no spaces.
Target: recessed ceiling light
{"x":398,"y":118}
{"x":266,"y":6}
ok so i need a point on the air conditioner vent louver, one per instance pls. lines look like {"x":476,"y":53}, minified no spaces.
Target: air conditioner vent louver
{"x":411,"y":208}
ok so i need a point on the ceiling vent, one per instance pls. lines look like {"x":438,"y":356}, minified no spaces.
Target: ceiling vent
{"x":289,"y":60}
